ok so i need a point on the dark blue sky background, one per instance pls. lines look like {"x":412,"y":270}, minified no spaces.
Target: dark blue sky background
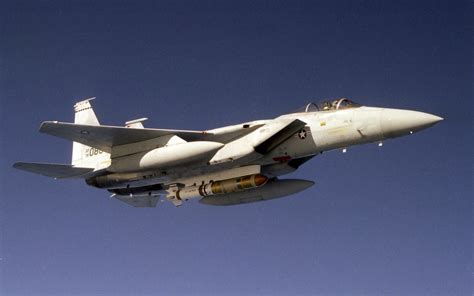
{"x":395,"y":220}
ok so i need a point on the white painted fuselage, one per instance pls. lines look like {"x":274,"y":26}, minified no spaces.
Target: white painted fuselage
{"x":224,"y":166}
{"x":323,"y":131}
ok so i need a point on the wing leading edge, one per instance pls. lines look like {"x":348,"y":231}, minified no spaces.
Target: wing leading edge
{"x":104,"y":137}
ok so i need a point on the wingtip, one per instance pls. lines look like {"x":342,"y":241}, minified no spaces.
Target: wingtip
{"x":43,"y":126}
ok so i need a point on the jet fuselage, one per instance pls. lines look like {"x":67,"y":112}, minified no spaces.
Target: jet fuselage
{"x":229,"y":165}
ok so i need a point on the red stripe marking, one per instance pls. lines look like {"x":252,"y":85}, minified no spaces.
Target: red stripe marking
{"x":284,"y":158}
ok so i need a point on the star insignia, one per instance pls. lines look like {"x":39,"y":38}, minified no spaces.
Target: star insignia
{"x":302,"y":134}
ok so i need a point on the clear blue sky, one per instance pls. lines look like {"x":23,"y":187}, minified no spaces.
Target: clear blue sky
{"x":395,"y":220}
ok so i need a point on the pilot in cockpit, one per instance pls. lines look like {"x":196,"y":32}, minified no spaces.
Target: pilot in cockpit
{"x":326,"y":106}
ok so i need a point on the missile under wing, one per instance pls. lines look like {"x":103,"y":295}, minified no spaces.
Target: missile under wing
{"x":273,"y":189}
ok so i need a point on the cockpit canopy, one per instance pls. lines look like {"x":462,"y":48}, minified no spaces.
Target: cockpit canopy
{"x":337,"y":104}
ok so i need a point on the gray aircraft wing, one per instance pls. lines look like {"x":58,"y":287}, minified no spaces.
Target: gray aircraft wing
{"x":104,"y":137}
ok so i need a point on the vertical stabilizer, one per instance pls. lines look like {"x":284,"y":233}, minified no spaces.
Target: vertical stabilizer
{"x":84,"y":114}
{"x":82,"y":155}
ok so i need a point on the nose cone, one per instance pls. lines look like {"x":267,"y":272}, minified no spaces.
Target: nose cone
{"x":396,"y":123}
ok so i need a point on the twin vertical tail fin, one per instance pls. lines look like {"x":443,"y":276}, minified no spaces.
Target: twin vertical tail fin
{"x":84,"y":114}
{"x":85,"y":159}
{"x":82,"y":155}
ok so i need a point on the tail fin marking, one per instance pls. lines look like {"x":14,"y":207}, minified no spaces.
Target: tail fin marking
{"x":82,"y":155}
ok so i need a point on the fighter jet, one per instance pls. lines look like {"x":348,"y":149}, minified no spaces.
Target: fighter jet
{"x":230,"y":165}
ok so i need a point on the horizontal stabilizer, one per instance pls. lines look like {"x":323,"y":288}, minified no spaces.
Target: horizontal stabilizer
{"x":104,"y":137}
{"x":139,"y":201}
{"x":57,"y":171}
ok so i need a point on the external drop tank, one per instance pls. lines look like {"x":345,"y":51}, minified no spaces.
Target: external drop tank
{"x":164,"y":157}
